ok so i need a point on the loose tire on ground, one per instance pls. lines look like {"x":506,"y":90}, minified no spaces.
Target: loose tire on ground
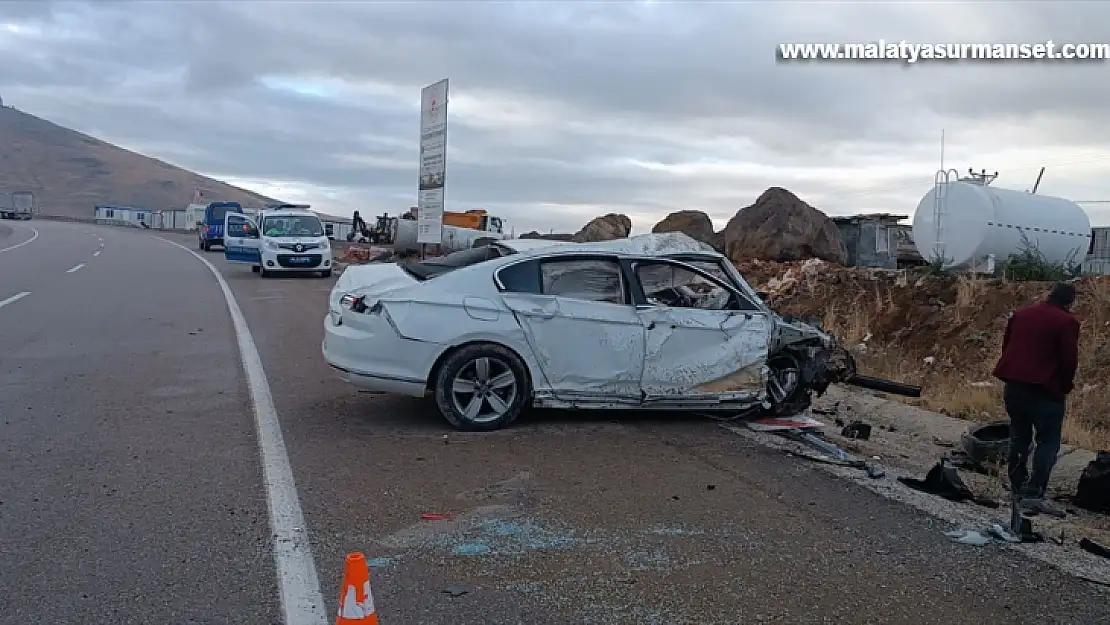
{"x":462,"y":365}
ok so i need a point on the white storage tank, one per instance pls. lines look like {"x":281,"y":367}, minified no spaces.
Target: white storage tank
{"x":980,"y":223}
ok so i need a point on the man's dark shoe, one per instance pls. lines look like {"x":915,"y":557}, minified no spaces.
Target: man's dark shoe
{"x":1040,"y":505}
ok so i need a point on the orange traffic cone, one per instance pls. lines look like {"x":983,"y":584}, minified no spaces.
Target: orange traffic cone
{"x":356,"y":604}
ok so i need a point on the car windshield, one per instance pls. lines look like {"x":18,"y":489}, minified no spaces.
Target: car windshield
{"x":428,"y":269}
{"x":218,"y":213}
{"x":292,"y":226}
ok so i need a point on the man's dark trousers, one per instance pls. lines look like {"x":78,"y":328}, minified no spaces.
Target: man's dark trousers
{"x":1034,"y":415}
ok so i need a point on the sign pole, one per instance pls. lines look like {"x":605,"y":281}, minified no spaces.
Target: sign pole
{"x":433,"y":165}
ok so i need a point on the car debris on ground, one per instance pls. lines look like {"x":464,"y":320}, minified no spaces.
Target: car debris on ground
{"x":806,"y":430}
{"x":857,"y":429}
{"x":1093,"y":491}
{"x":1094,"y":548}
{"x":943,"y":481}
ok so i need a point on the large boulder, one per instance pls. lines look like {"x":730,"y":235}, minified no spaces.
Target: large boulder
{"x":604,"y":228}
{"x":781,"y":227}
{"x":694,"y":224}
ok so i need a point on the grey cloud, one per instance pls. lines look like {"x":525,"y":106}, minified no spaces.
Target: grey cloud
{"x":25,"y":10}
{"x":668,"y":83}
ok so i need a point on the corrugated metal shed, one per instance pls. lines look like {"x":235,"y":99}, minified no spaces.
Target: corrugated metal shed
{"x":871,"y":239}
{"x":1098,"y":254}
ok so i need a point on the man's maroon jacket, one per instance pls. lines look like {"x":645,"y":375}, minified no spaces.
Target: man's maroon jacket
{"x":1041,"y":347}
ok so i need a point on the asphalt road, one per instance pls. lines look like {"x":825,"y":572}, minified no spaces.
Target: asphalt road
{"x":128,"y":442}
{"x":129,"y":471}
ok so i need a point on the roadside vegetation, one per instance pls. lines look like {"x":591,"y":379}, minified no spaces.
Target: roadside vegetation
{"x":944,"y":330}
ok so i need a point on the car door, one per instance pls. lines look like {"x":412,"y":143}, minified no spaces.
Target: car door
{"x":578,"y":320}
{"x":241,"y":239}
{"x":703,"y":342}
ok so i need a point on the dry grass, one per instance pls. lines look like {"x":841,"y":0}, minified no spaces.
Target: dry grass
{"x":955,"y":369}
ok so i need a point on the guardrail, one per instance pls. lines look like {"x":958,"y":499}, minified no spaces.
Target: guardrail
{"x":119,"y":223}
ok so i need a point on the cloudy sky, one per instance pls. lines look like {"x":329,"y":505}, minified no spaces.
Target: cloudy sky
{"x":560,"y":111}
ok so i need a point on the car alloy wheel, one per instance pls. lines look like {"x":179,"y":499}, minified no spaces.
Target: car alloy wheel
{"x":785,"y":389}
{"x":484,"y":390}
{"x":481,"y":387}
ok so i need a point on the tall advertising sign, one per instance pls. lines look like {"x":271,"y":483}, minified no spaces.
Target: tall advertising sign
{"x":433,"y":162}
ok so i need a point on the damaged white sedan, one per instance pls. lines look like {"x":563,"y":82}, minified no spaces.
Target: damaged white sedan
{"x":655,"y":321}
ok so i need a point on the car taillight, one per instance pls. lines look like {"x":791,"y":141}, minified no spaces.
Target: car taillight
{"x":205,"y":228}
{"x":357,"y":303}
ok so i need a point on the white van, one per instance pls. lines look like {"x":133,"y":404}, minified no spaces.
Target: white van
{"x":283,"y":238}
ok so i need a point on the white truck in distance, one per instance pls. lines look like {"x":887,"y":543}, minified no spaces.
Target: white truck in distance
{"x":22,"y":207}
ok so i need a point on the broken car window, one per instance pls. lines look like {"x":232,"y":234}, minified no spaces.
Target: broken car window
{"x":712,"y":268}
{"x":592,"y":280}
{"x":428,"y":269}
{"x":670,"y":285}
{"x":520,"y":277}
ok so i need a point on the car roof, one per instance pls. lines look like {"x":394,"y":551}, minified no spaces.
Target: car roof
{"x":527,"y":245}
{"x":654,"y":244}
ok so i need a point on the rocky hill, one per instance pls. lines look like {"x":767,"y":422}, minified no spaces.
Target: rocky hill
{"x":70,"y":172}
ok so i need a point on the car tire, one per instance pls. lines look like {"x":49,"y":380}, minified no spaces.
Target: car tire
{"x":262,"y":273}
{"x":464,"y":366}
{"x":325,"y":274}
{"x":786,"y":371}
{"x":256,"y":268}
{"x":204,"y":245}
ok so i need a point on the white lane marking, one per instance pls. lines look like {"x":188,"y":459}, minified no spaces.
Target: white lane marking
{"x":35,"y":235}
{"x":14,"y":298}
{"x":76,"y":267}
{"x":301,"y":600}
{"x":96,"y":253}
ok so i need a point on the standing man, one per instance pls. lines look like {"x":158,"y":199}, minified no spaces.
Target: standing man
{"x":1038,"y":363}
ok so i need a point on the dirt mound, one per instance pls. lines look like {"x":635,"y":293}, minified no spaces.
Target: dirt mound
{"x":943,"y":332}
{"x":694,"y":224}
{"x":604,"y":228}
{"x":781,"y":227}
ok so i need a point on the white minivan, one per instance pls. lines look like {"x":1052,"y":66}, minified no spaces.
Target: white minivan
{"x":278,"y":239}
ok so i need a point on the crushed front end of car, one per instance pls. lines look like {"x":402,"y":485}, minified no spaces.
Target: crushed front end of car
{"x":803,"y":360}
